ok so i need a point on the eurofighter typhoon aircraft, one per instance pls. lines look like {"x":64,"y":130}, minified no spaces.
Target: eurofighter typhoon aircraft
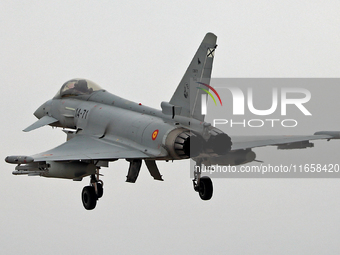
{"x":102,"y":127}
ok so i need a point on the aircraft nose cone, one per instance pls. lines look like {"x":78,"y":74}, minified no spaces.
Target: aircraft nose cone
{"x":40,"y":112}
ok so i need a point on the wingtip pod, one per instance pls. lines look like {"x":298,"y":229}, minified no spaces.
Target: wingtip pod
{"x":19,"y":159}
{"x":333,"y":134}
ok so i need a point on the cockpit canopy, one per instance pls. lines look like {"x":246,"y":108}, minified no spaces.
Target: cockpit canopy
{"x":77,"y":87}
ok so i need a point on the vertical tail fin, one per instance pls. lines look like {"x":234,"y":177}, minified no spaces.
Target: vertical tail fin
{"x":187,"y":96}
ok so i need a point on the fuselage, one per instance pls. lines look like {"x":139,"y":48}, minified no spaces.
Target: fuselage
{"x":106,"y":116}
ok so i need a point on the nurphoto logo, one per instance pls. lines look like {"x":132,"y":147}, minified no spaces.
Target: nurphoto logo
{"x":243,"y":100}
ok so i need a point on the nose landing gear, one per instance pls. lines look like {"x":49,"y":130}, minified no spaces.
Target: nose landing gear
{"x":93,"y":192}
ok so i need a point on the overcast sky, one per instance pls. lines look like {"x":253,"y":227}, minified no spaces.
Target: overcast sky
{"x":140,"y":51}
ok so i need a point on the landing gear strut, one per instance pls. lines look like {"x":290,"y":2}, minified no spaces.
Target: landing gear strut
{"x":93,"y":192}
{"x":203,"y":185}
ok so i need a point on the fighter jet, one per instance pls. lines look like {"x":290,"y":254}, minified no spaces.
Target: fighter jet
{"x":102,"y":128}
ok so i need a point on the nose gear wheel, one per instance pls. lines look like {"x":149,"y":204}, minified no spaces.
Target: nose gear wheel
{"x":93,"y":192}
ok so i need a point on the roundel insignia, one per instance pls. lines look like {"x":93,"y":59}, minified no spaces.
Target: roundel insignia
{"x":154,"y":134}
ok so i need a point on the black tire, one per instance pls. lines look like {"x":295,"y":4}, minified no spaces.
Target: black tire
{"x":205,"y":189}
{"x":89,"y":197}
{"x":100,"y":190}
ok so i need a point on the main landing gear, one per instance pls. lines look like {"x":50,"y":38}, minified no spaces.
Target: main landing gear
{"x":93,"y":192}
{"x":203,"y":185}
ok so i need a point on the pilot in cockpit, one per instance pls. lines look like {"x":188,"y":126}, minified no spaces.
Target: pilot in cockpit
{"x":77,"y":87}
{"x":82,"y":88}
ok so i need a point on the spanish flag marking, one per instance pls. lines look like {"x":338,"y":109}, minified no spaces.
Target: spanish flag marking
{"x":154,"y":134}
